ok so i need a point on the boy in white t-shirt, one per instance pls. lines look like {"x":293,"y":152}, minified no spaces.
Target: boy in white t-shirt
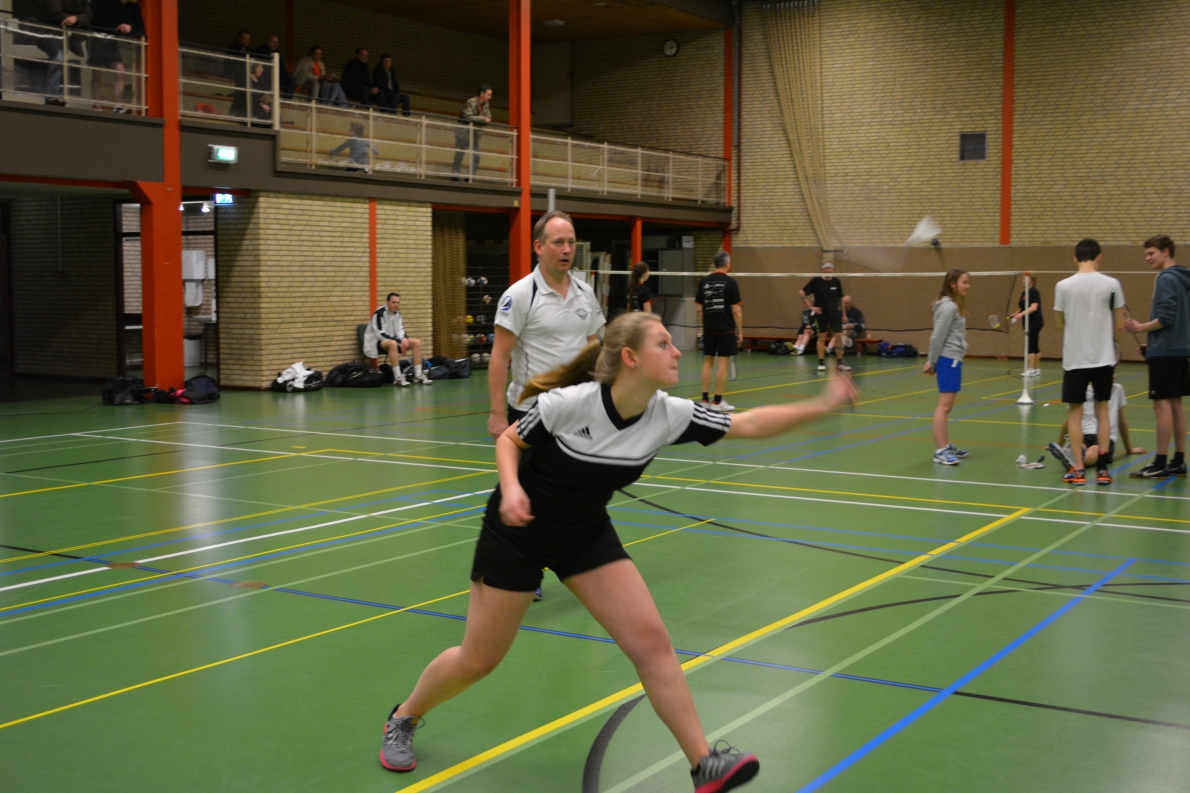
{"x":1119,"y":426}
{"x":1089,"y":307}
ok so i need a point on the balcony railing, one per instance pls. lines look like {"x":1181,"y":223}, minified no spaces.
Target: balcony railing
{"x":221,"y":86}
{"x":76,"y":68}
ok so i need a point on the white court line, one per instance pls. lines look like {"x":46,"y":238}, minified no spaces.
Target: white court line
{"x":314,"y":432}
{"x":67,"y":434}
{"x":243,"y":540}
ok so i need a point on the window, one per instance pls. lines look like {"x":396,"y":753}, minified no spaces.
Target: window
{"x":973,"y":146}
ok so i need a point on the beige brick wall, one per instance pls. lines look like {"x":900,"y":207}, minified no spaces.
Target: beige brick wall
{"x":293,"y":280}
{"x":64,"y":294}
{"x":426,"y":58}
{"x":627,"y":91}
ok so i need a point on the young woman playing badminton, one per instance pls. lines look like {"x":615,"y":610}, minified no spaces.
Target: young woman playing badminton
{"x":948,"y":344}
{"x":559,"y":465}
{"x":1031,"y":307}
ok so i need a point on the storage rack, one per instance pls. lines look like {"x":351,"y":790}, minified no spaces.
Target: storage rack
{"x":485,"y":260}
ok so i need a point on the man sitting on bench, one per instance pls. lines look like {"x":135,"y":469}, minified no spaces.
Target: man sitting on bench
{"x":853,"y":325}
{"x":385,"y":337}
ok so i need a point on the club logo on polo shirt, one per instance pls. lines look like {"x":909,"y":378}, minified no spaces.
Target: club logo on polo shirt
{"x":506,"y":303}
{"x":584,"y":433}
{"x":582,"y":313}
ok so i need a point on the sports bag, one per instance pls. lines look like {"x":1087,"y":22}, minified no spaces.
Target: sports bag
{"x":886,"y":350}
{"x":199,"y":390}
{"x":778,"y":348}
{"x":123,"y":391}
{"x":353,"y":375}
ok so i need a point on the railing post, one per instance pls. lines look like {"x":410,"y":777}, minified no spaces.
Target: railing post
{"x":604,"y":168}
{"x":422,"y":147}
{"x":247,"y":90}
{"x":700,"y":180}
{"x":276,"y":91}
{"x":312,"y":151}
{"x":569,"y":163}
{"x":371,"y":140}
{"x":639,"y":167}
{"x":471,"y":153}
{"x":669,"y":186}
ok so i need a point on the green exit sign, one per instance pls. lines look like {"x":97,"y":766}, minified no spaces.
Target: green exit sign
{"x":227,"y":155}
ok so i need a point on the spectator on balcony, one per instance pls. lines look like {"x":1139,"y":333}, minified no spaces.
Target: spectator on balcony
{"x":235,"y":68}
{"x":384,"y":79}
{"x":271,"y":47}
{"x":70,"y":15}
{"x":258,"y":96}
{"x":312,"y":74}
{"x":357,"y":147}
{"x":357,"y":79}
{"x":475,"y":115}
{"x":115,"y":18}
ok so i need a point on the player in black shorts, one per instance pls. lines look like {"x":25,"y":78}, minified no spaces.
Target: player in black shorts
{"x":559,"y":466}
{"x":823,"y":295}
{"x":717,"y":302}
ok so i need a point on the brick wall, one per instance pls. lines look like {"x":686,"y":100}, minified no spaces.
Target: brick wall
{"x":64,"y":296}
{"x":426,"y":58}
{"x":627,"y":91}
{"x":293,"y":280}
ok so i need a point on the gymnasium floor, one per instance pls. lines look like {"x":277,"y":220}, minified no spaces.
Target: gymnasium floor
{"x":239,"y":592}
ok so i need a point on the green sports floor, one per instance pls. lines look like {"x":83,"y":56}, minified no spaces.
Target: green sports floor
{"x":232,"y":596}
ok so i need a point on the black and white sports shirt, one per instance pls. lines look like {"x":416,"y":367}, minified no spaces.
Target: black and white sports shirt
{"x":582,"y":451}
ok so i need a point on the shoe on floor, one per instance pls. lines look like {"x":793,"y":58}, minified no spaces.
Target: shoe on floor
{"x":1153,"y":471}
{"x":423,"y":379}
{"x":1075,"y":476}
{"x":397,"y":752}
{"x":1061,"y":455}
{"x":400,"y":380}
{"x":1103,"y":477}
{"x":960,"y":453}
{"x":724,"y":768}
{"x":945,"y":457}
{"x":842,"y":367}
{"x":1175,"y":470}
{"x":537,"y":595}
{"x":822,"y":366}
{"x":722,"y":406}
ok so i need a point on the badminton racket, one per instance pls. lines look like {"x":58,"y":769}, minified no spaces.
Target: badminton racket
{"x":994,"y":322}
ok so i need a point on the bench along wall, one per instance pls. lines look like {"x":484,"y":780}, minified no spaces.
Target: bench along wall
{"x":294,"y":274}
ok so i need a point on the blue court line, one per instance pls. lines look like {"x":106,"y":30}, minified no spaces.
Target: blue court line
{"x":942,"y":695}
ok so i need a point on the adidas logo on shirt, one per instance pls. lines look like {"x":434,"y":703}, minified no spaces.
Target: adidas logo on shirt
{"x":584,"y":433}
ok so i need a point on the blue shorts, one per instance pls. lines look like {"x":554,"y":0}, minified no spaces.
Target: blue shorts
{"x":950,"y":375}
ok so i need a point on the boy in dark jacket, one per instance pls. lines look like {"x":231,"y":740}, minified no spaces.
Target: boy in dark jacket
{"x":1168,"y":355}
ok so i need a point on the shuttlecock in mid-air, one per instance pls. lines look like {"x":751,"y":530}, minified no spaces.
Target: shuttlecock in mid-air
{"x":927,"y":230}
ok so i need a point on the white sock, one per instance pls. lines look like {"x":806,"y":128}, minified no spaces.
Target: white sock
{"x":944,"y":448}
{"x":417,"y":370}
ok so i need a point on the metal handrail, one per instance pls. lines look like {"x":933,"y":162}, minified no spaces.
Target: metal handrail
{"x":217,"y":85}
{"x":41,"y":62}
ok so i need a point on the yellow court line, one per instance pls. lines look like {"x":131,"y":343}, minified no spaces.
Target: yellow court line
{"x":238,"y":517}
{"x":813,"y":380}
{"x":440,"y":459}
{"x":932,"y":389}
{"x":622,"y":694}
{"x":175,"y":675}
{"x":234,"y":559}
{"x":671,"y":531}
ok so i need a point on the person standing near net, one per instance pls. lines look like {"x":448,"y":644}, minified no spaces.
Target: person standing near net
{"x":721,"y":314}
{"x":640,"y":298}
{"x":1030,"y":311}
{"x":948,"y":345}
{"x":823,"y":295}
{"x":1168,"y":355}
{"x":559,"y":466}
{"x":1089,"y":309}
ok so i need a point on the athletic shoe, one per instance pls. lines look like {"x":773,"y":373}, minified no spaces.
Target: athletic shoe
{"x":1176,"y":470}
{"x":945,"y":457}
{"x":724,"y":769}
{"x":706,"y":403}
{"x":1103,"y":477}
{"x":842,"y":367}
{"x":397,"y":752}
{"x":821,"y":365}
{"x":1061,"y":455}
{"x":1037,"y":373}
{"x":799,"y":350}
{"x":960,"y":453}
{"x":538,"y":595}
{"x":1075,"y":476}
{"x":423,"y":379}
{"x":400,"y":380}
{"x":1153,"y":471}
{"x":723,"y":406}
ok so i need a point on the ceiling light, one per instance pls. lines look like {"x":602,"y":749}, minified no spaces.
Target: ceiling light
{"x":554,"y":23}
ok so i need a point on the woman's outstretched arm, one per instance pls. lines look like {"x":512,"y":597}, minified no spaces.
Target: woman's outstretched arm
{"x":764,"y":422}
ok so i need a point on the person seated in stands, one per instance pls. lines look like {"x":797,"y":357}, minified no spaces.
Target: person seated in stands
{"x":272,"y":46}
{"x":384,"y":81}
{"x":357,"y":79}
{"x":259,"y":95}
{"x":116,"y":18}
{"x":476,"y":114}
{"x":233,"y":68}
{"x":385,"y":337}
{"x":853,"y":324}
{"x":311,"y":73}
{"x":1119,"y":427}
{"x":807,"y":333}
{"x":357,"y":146}
{"x":70,"y":15}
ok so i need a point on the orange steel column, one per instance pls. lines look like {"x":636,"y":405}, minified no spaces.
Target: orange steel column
{"x":638,"y":241}
{"x":520,"y":247}
{"x":1006,"y":121}
{"x":161,"y":220}
{"x":728,"y":116}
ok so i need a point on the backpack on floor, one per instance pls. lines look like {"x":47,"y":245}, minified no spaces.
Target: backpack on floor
{"x":778,"y":347}
{"x":353,"y":375}
{"x":886,"y":350}
{"x":199,"y":390}
{"x":124,"y":391}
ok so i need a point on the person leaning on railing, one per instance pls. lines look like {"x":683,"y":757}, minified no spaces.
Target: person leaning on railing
{"x":116,"y":18}
{"x":70,"y":15}
{"x":476,"y":114}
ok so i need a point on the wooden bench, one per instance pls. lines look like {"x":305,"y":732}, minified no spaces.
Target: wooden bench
{"x":861,"y":344}
{"x":761,"y":342}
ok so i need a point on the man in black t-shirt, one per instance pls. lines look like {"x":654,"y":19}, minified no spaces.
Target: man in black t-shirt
{"x":722,"y":316}
{"x":824,"y":295}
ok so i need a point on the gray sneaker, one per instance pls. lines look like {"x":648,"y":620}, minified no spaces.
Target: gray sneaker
{"x":397,"y":752}
{"x":723,"y":769}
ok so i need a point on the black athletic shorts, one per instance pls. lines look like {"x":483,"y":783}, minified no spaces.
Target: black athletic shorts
{"x":514,"y":414}
{"x":1090,"y":439}
{"x":513,"y":558}
{"x":1034,"y":341}
{"x":1075,"y":382}
{"x":830,"y":322}
{"x":723,"y":344}
{"x":1169,"y":378}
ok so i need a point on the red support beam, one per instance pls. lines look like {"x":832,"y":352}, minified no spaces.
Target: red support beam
{"x":373,"y":286}
{"x":161,"y":221}
{"x":638,"y":240}
{"x":520,"y":248}
{"x":1006,"y":121}
{"x":728,"y":115}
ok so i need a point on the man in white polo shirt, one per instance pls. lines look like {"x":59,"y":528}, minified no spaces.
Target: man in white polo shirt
{"x":542,"y":321}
